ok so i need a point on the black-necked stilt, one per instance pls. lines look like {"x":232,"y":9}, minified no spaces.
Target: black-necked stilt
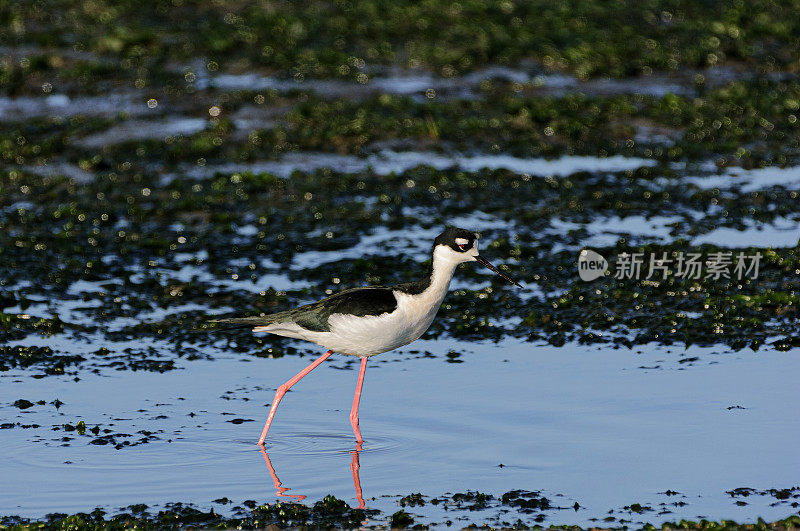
{"x":371,"y":320}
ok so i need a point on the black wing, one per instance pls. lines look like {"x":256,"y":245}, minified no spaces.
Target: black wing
{"x":357,"y":301}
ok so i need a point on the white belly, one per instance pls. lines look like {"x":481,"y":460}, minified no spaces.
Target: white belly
{"x":370,"y":335}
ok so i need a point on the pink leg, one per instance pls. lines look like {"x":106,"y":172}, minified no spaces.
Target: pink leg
{"x":285,"y":387}
{"x":354,"y":466}
{"x":356,"y":400}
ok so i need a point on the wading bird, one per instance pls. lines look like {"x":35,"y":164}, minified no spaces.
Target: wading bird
{"x":371,"y":320}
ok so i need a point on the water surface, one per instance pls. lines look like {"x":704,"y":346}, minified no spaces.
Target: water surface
{"x":567,"y":421}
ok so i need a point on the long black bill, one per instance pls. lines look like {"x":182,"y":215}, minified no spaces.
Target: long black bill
{"x":485,"y":263}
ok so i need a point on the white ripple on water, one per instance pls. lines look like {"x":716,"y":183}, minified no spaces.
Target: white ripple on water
{"x":142,"y":130}
{"x":603,"y":232}
{"x":416,"y":82}
{"x":387,"y":162}
{"x":749,"y":180}
{"x":782,"y":232}
{"x":55,"y":105}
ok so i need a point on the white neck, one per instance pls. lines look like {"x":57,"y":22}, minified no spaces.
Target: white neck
{"x":444,"y":265}
{"x":420,"y":309}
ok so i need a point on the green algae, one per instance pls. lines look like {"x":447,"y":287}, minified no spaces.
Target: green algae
{"x":132,"y":236}
{"x":324,"y":514}
{"x":792,"y":522}
{"x":101,"y":260}
{"x":340,"y":39}
{"x":401,"y":519}
{"x":22,"y":403}
{"x":327,"y":513}
{"x":730,"y":311}
{"x":39,"y":140}
{"x":412,"y":500}
{"x":42,"y":357}
{"x":750,"y":122}
{"x":526,"y":501}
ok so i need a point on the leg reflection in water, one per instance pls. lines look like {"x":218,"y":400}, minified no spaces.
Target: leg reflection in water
{"x":354,"y":467}
{"x":279,"y":491}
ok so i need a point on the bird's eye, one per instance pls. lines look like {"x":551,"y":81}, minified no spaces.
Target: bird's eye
{"x":463,"y":246}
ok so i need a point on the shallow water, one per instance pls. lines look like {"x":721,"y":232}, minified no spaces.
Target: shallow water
{"x":568,"y":422}
{"x":749,"y":180}
{"x":782,"y":232}
{"x":178,"y":231}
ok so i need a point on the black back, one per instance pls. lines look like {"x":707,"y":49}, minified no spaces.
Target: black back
{"x":357,"y":301}
{"x":360,"y":302}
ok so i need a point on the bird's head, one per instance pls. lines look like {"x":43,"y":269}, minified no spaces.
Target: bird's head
{"x":456,"y":245}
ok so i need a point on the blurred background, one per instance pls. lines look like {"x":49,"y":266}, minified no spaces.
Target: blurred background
{"x":164,"y":162}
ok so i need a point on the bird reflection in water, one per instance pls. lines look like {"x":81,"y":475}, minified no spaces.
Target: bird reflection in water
{"x":354,"y":469}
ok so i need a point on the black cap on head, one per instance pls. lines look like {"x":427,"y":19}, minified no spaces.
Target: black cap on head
{"x":461,"y":241}
{"x":448,"y":237}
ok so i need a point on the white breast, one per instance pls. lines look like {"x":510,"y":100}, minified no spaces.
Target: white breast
{"x":367,"y":336}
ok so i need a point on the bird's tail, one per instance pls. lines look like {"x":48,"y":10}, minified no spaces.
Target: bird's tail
{"x":248,"y":322}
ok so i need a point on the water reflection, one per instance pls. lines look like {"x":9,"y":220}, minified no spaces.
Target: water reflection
{"x":355,"y":465}
{"x":279,"y":490}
